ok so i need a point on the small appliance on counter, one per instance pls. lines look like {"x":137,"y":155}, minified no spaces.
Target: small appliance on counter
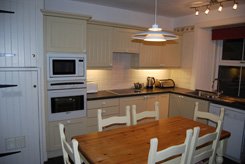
{"x":164,"y":83}
{"x":92,"y":87}
{"x":150,"y":82}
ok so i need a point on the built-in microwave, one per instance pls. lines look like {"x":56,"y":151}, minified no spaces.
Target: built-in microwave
{"x":66,"y":66}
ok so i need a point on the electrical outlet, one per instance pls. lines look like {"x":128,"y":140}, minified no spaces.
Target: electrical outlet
{"x":10,"y":143}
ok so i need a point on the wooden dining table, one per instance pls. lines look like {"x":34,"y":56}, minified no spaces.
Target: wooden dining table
{"x":130,"y":144}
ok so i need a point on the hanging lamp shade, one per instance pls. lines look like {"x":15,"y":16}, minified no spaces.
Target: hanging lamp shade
{"x":155,"y":33}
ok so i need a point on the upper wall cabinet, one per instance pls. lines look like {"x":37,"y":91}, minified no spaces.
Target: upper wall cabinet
{"x":123,"y":42}
{"x":18,"y":32}
{"x":99,"y":45}
{"x":65,"y":34}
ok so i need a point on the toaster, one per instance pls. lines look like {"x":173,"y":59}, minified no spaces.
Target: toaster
{"x":164,"y":83}
{"x":92,"y":87}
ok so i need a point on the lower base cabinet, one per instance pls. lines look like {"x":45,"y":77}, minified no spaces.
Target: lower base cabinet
{"x":73,"y":127}
{"x":184,"y":106}
{"x":110,"y":107}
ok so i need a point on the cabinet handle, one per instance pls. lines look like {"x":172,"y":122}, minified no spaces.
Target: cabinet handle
{"x":242,"y":62}
{"x":103,"y":103}
{"x":145,"y":97}
{"x":181,"y":96}
{"x":103,"y":111}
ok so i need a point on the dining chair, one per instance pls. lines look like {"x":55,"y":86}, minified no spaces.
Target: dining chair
{"x":198,"y":155}
{"x":113,"y":120}
{"x":218,"y":120}
{"x":69,"y":152}
{"x":146,"y":114}
{"x":156,"y":156}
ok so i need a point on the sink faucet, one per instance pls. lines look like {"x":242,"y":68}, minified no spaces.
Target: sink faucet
{"x":218,"y":91}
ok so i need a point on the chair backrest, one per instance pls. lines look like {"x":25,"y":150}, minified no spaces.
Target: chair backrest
{"x":113,"y":120}
{"x":146,"y":114}
{"x":197,"y":155}
{"x":156,"y":156}
{"x":218,"y":119}
{"x":207,"y":115}
{"x":69,"y":151}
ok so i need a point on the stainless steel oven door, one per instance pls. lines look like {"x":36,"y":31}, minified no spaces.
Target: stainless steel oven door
{"x":66,"y":104}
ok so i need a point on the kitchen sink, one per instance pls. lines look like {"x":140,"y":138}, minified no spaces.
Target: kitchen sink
{"x":211,"y":95}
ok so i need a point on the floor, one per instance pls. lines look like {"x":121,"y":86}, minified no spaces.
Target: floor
{"x":59,"y":160}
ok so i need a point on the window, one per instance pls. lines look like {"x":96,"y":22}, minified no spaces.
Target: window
{"x":231,"y":67}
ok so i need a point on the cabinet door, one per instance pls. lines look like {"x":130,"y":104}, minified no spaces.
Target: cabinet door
{"x":18,"y":33}
{"x":99,"y":42}
{"x":151,"y":54}
{"x":163,"y":100}
{"x":123,"y":42}
{"x":65,"y":34}
{"x":72,"y":128}
{"x":172,"y":53}
{"x":185,"y":106}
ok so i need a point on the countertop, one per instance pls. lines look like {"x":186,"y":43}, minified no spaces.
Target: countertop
{"x":117,"y":93}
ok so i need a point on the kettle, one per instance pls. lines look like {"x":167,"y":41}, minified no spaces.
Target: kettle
{"x":150,"y":82}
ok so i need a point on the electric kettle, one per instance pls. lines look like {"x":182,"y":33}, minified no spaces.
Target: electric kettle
{"x":150,"y":82}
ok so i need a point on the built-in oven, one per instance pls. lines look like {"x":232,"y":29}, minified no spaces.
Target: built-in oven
{"x":66,"y":100}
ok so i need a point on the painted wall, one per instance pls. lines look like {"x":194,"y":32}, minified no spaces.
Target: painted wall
{"x":108,"y":14}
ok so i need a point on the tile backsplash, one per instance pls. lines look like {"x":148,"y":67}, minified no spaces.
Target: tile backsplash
{"x":121,"y":75}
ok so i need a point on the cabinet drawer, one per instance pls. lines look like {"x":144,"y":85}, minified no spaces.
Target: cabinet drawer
{"x":113,"y":110}
{"x":102,"y":103}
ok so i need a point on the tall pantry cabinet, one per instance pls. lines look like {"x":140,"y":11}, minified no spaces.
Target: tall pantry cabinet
{"x":20,"y":56}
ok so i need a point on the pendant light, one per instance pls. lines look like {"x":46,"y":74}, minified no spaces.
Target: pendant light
{"x":155,"y":33}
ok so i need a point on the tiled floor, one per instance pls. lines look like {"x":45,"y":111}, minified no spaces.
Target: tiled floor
{"x":59,"y":160}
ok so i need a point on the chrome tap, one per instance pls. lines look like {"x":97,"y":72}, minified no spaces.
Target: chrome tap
{"x":217,"y":91}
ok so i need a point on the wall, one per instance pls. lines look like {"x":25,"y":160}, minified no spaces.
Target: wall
{"x":121,"y":75}
{"x":108,"y":14}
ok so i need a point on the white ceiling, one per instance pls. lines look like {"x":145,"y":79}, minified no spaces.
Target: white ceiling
{"x":169,"y":8}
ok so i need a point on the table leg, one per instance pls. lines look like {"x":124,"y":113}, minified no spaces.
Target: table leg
{"x":220,"y":151}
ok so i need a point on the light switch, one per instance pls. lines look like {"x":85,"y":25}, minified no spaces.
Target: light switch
{"x":10,"y":143}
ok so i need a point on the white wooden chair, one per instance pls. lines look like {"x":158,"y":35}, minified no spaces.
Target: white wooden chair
{"x":218,"y":119}
{"x":146,"y":114}
{"x":69,"y":151}
{"x":113,"y":120}
{"x":156,"y":156}
{"x":195,"y":155}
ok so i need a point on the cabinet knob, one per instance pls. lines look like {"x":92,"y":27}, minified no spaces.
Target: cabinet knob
{"x":34,"y":55}
{"x":34,"y":86}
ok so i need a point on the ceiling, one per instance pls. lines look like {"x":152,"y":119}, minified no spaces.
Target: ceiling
{"x":169,"y":8}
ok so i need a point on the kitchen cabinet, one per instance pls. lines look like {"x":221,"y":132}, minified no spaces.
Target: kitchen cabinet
{"x":99,"y":45}
{"x":184,"y":106}
{"x":73,"y":127}
{"x":172,"y":53}
{"x":110,"y":107}
{"x":146,"y":103}
{"x":20,"y":116}
{"x":65,"y":34}
{"x":123,"y":42}
{"x":19,"y":32}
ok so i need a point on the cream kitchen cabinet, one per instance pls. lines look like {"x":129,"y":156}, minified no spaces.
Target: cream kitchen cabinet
{"x":73,"y":127}
{"x":145,"y":103}
{"x":20,"y":32}
{"x":184,"y":106}
{"x":110,"y":107}
{"x":160,"y":54}
{"x":99,"y":45}
{"x":152,"y":54}
{"x":65,"y":34}
{"x":123,"y":42}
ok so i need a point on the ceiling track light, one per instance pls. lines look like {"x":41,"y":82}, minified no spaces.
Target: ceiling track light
{"x":212,"y":3}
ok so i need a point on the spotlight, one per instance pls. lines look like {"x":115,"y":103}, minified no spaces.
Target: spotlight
{"x":197,"y":12}
{"x":207,"y":11}
{"x":220,"y":7}
{"x":235,"y":5}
